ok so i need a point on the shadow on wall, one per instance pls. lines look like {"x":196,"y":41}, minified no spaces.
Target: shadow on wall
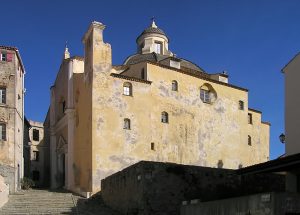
{"x":93,"y":205}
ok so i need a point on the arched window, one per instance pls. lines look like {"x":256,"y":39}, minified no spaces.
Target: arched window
{"x":207,"y":93}
{"x":164,"y":117}
{"x":126,"y":123}
{"x":174,"y":86}
{"x":127,"y":89}
{"x":204,"y":95}
{"x":249,"y":140}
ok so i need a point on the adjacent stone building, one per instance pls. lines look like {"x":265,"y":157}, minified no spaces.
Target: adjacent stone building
{"x":39,"y":155}
{"x":155,"y":106}
{"x":11,"y":116}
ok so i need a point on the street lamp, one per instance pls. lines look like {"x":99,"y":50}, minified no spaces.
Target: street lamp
{"x":282,"y":138}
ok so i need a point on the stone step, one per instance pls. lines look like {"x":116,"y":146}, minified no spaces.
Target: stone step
{"x":37,"y":202}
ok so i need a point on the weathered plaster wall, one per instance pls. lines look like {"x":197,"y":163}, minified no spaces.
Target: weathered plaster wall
{"x":11,"y":113}
{"x":197,"y":133}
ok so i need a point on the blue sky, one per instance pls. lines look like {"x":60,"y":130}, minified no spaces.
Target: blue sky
{"x":251,"y":40}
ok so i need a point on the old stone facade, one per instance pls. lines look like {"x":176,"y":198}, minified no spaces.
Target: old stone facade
{"x":156,"y":106}
{"x":39,"y":155}
{"x":11,"y":116}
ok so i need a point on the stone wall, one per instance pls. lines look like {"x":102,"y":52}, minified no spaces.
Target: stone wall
{"x":8,"y":173}
{"x":263,"y":203}
{"x":4,"y":191}
{"x":159,"y":188}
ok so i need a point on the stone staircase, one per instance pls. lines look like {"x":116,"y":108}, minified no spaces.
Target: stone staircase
{"x":37,"y":202}
{"x":42,"y":202}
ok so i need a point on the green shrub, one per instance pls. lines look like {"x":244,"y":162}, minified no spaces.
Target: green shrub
{"x":27,"y":183}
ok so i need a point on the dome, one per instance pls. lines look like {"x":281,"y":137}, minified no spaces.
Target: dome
{"x":152,"y":29}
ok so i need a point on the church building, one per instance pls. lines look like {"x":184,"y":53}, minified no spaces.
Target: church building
{"x":155,"y":106}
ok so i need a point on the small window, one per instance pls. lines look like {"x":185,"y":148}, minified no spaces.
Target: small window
{"x":143,"y":74}
{"x":35,"y":175}
{"x":3,"y":131}
{"x":35,"y":155}
{"x":249,"y":118}
{"x":126,"y":123}
{"x":127,"y":89}
{"x":152,"y":146}
{"x":164,"y":117}
{"x":35,"y":134}
{"x":204,"y":95}
{"x":174,"y":86}
{"x":3,"y":95}
{"x":241,"y":105}
{"x":158,"y":48}
{"x":3,"y":57}
{"x":249,"y":140}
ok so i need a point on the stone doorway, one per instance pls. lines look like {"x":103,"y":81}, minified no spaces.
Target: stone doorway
{"x":61,"y":162}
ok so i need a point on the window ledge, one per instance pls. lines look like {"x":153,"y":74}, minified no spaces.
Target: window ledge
{"x":209,"y":103}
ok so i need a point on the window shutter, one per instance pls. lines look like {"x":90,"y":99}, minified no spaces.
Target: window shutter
{"x":9,"y":57}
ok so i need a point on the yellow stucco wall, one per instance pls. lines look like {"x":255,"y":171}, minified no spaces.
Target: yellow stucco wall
{"x":197,"y":133}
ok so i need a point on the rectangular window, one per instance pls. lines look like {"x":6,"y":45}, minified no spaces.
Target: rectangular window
{"x":126,"y":124}
{"x":2,"y":95}
{"x":35,"y":134}
{"x":249,"y":118}
{"x":152,"y":146}
{"x":249,"y":140}
{"x":35,"y":155}
{"x":204,"y":96}
{"x":157,"y":48}
{"x":3,"y":56}
{"x":3,"y":131}
{"x":241,"y":105}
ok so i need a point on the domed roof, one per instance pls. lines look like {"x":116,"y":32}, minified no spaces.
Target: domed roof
{"x":158,"y":58}
{"x":152,"y":29}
